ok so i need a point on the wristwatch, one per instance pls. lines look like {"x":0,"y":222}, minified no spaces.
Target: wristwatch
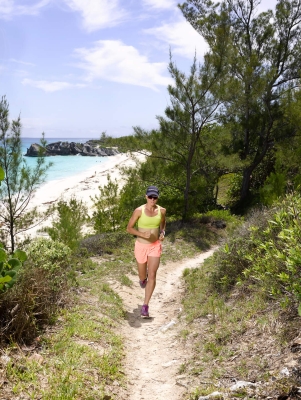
{"x":162,"y":232}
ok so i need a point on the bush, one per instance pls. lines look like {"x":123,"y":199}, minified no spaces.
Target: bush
{"x":106,"y":243}
{"x":274,"y":187}
{"x":233,"y":193}
{"x":265,"y":253}
{"x":9,"y":267}
{"x":231,"y":260}
{"x":107,"y":216}
{"x":276,"y":259}
{"x":41,"y":289}
{"x":67,"y":229}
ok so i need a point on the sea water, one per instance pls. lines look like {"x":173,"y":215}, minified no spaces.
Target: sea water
{"x":63,"y":166}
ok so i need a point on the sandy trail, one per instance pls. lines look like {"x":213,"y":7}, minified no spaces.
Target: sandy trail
{"x":154,"y":354}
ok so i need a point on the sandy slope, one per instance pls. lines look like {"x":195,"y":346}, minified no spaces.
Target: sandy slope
{"x":154,"y":354}
{"x":83,"y":186}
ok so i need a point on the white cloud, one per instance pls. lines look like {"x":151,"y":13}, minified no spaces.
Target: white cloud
{"x":9,"y":8}
{"x":181,"y":38}
{"x":21,"y":62}
{"x":114,"y":61}
{"x":98,"y":14}
{"x":50,"y":86}
{"x":161,"y":4}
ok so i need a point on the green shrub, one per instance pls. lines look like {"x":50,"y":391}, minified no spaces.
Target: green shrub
{"x":9,"y":267}
{"x":106,"y":217}
{"x":106,"y":243}
{"x":42,"y":287}
{"x":48,"y":255}
{"x":233,"y":193}
{"x":231,"y":260}
{"x":276,"y":259}
{"x":72,"y":215}
{"x":274,"y":187}
{"x":265,"y":253}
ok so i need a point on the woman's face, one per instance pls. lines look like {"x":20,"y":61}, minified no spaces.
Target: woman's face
{"x":151,"y":199}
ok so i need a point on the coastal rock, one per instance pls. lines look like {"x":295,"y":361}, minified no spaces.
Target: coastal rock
{"x":60,"y":148}
{"x":34,"y":150}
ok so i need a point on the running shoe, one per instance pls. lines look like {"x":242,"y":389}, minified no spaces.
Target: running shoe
{"x":144,"y":311}
{"x":143,"y":283}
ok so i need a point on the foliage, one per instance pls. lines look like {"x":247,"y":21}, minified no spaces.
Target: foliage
{"x":229,"y":262}
{"x":106,"y":243}
{"x":181,"y":158}
{"x":67,"y":229}
{"x":9,"y":267}
{"x":287,"y":156}
{"x":233,"y":191}
{"x":274,"y":187}
{"x":264,"y":253}
{"x":20,"y":181}
{"x":107,"y":215}
{"x":275,"y":261}
{"x":132,"y":193}
{"x":222,"y":215}
{"x":48,"y":255}
{"x":40,"y":290}
{"x":114,"y":205}
{"x":262,"y":57}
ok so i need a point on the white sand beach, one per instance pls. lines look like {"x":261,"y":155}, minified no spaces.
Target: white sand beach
{"x":82,"y":186}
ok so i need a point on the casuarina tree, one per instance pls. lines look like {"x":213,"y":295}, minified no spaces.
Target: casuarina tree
{"x":180,"y":144}
{"x":19,"y":183}
{"x":262,"y":52}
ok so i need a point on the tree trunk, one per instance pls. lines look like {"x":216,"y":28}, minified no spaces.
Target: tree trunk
{"x":186,"y":195}
{"x":245,"y":186}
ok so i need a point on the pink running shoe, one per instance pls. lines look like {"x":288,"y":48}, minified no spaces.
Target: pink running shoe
{"x":144,"y":311}
{"x":143,"y":283}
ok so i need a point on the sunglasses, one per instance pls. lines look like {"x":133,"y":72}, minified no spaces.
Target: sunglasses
{"x":152,"y":197}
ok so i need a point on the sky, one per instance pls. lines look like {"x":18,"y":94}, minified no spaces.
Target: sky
{"x":77,"y":68}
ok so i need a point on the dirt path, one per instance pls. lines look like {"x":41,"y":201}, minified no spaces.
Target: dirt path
{"x":154,"y":353}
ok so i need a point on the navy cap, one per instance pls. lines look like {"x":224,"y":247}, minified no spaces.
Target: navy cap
{"x":152,"y":191}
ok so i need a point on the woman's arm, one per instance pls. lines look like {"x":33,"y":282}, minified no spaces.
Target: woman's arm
{"x":132,"y":222}
{"x":162,"y":224}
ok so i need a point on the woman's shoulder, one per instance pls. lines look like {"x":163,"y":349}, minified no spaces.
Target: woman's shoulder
{"x":139,"y":209}
{"x":162,"y":209}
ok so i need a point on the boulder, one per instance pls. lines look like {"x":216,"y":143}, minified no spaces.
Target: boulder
{"x":34,"y":150}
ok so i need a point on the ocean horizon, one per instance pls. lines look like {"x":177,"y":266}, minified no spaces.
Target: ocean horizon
{"x":63,"y":166}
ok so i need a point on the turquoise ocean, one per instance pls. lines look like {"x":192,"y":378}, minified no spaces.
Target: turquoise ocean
{"x":63,"y":166}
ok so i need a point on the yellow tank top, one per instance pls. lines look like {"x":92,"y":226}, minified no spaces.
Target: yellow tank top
{"x":146,"y":222}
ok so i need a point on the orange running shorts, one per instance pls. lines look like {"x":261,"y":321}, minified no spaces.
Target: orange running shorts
{"x":145,"y":250}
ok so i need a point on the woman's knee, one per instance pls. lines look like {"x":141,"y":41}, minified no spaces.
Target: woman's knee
{"x":152,"y":275}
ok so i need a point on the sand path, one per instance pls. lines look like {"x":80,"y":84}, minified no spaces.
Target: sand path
{"x":154,"y":352}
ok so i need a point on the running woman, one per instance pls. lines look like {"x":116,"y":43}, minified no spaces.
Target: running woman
{"x":150,"y":232}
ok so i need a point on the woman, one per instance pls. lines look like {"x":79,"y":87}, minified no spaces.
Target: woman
{"x":150,"y":232}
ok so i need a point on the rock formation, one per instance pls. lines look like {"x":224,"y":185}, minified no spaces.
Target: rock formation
{"x":89,"y":149}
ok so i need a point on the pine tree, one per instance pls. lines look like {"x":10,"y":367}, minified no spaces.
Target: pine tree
{"x":20,"y":181}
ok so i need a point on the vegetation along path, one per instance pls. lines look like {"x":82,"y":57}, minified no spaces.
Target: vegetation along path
{"x":154,"y":353}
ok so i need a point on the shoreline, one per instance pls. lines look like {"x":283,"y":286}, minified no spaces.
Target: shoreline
{"x":82,"y":186}
{"x":90,"y":179}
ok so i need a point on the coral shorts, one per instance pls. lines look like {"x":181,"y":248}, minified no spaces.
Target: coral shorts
{"x":145,"y":250}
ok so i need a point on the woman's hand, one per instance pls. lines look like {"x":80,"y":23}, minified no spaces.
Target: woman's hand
{"x":147,"y":234}
{"x":161,"y":236}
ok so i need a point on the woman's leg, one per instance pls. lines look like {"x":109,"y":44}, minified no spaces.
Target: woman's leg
{"x":142,"y":271}
{"x":152,"y":267}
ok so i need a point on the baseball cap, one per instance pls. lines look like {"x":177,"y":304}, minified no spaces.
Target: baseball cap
{"x":152,"y":191}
